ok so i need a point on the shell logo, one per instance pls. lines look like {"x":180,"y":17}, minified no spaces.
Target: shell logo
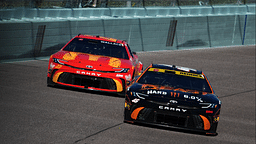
{"x":70,"y":56}
{"x":114,"y":62}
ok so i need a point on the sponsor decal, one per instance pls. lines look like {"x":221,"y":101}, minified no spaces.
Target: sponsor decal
{"x":157,"y":70}
{"x":173,"y":101}
{"x":114,"y":62}
{"x":156,"y":92}
{"x":172,"y":109}
{"x":148,"y":86}
{"x":106,"y":38}
{"x":70,"y":56}
{"x":189,"y":74}
{"x":174,"y":94}
{"x":128,"y":77}
{"x":193,"y":98}
{"x":88,"y":73}
{"x":119,"y":75}
{"x":216,"y":119}
{"x":135,"y":100}
{"x":185,"y":69}
{"x":178,"y":72}
{"x":94,"y":57}
{"x":112,"y":43}
{"x":127,"y":105}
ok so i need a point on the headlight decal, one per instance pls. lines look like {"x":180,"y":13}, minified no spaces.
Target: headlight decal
{"x":140,"y":94}
{"x":55,"y":60}
{"x":52,"y":65}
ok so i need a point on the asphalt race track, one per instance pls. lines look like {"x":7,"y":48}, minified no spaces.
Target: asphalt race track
{"x":32,"y":113}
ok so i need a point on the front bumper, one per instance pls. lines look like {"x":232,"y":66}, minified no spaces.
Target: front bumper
{"x":87,"y":80}
{"x":175,"y":118}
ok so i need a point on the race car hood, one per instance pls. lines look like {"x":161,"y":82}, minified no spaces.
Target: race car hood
{"x":90,"y":61}
{"x":163,"y":95}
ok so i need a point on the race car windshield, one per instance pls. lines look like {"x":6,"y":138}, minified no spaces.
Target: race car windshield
{"x":97,"y":47}
{"x":175,"y":81}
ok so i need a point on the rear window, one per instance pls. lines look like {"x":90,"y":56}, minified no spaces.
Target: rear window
{"x":97,"y":47}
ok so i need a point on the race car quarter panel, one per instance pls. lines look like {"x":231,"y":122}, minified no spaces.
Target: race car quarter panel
{"x":94,"y":63}
{"x":172,"y":96}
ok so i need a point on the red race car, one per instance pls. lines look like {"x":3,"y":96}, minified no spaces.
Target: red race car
{"x":94,"y":63}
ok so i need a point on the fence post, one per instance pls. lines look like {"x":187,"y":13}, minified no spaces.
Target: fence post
{"x":141,"y":35}
{"x":208,"y":31}
{"x":244,"y":29}
{"x":171,"y":33}
{"x":39,"y":40}
{"x":32,"y":37}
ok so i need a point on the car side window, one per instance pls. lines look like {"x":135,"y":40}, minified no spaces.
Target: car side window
{"x":129,"y":50}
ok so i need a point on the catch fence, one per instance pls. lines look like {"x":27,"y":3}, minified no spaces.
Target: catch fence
{"x":8,"y":4}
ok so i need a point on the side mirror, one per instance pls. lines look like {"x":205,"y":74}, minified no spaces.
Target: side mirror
{"x":134,"y":53}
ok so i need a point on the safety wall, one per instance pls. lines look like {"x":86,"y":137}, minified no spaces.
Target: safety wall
{"x":150,"y":30}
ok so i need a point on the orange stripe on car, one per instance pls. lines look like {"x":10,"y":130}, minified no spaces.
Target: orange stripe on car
{"x":135,"y":113}
{"x":70,"y":56}
{"x":56,"y":76}
{"x":119,"y":86}
{"x":94,"y":57}
{"x":207,"y":124}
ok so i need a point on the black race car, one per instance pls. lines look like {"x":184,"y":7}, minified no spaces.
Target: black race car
{"x":173,"y":96}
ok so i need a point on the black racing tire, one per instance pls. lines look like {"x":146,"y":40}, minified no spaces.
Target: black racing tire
{"x":50,"y":83}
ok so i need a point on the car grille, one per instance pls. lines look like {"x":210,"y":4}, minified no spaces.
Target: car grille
{"x":87,"y":81}
{"x":170,"y":118}
{"x":167,"y":119}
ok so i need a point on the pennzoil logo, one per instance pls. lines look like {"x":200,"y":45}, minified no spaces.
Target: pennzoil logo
{"x":201,"y":76}
{"x":189,"y":74}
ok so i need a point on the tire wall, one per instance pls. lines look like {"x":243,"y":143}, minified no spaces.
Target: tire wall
{"x":143,"y":33}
